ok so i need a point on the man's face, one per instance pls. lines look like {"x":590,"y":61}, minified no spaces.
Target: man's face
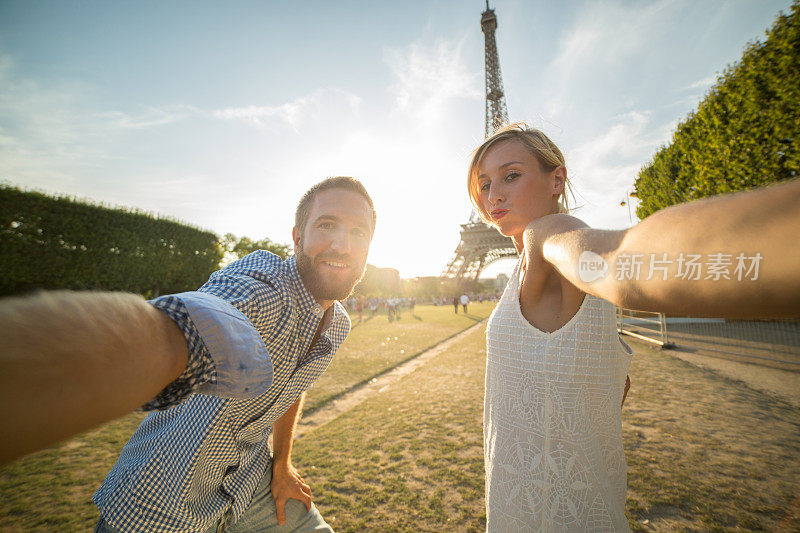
{"x":332,"y":249}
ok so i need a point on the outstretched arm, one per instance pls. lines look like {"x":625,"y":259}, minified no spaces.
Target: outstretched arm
{"x":728,"y":236}
{"x":72,"y":360}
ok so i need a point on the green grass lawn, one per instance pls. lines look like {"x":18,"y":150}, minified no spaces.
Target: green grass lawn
{"x":409,"y":458}
{"x":377,"y":344}
{"x":704,"y":453}
{"x":51,"y":490}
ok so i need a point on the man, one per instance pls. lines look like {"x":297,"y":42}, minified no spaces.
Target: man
{"x":464,"y":302}
{"x":258,"y":334}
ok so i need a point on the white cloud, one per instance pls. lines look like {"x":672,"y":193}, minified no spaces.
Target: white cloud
{"x":621,"y":141}
{"x":706,"y":82}
{"x":600,"y":42}
{"x":294,"y":112}
{"x":43,"y":135}
{"x":605,"y":167}
{"x":429,"y":77}
{"x":48,"y":138}
{"x":262,"y":115}
{"x":152,"y":116}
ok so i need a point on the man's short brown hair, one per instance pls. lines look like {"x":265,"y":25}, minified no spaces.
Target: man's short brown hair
{"x":338,"y":182}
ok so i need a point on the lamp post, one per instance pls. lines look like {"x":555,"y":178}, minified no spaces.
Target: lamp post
{"x":626,"y":201}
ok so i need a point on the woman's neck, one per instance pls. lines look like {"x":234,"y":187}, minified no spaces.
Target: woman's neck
{"x":519,"y":244}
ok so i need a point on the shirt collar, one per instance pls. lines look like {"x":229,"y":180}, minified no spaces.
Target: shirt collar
{"x":305,"y":301}
{"x":338,"y":310}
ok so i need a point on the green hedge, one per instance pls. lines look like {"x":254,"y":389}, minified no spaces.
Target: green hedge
{"x":744,"y":134}
{"x":61,"y":243}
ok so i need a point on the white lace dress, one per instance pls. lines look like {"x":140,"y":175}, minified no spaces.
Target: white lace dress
{"x":552,"y":420}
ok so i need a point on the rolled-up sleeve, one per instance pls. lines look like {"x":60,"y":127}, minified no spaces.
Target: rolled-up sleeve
{"x":227,"y":355}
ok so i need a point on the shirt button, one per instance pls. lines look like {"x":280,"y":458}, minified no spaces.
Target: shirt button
{"x":317,"y":310}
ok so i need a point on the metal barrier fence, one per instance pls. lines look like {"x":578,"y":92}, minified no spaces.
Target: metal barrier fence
{"x":773,"y":341}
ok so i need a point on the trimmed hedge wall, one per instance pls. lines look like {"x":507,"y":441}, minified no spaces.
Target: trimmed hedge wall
{"x":61,"y":243}
{"x":744,"y":134}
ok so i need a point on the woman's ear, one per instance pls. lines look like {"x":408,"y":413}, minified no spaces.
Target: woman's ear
{"x":559,"y":180}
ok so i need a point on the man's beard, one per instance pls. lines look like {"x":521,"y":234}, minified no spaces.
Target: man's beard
{"x":318,"y":288}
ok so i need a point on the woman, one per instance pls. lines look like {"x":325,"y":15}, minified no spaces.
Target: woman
{"x":556,"y":367}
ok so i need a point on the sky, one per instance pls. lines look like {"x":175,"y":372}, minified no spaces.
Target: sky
{"x":221,"y":114}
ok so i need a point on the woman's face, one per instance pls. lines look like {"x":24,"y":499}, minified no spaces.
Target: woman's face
{"x":514,"y":189}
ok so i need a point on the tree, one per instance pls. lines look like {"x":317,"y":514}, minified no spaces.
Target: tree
{"x":383,"y":282}
{"x":236,"y":248}
{"x":744,"y":134}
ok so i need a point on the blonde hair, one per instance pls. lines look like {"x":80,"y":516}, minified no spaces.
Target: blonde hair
{"x":539,"y":144}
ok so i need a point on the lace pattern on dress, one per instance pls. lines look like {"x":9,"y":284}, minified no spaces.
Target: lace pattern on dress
{"x":552,"y":420}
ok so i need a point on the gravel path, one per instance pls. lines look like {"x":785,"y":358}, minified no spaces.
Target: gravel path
{"x":783,"y":384}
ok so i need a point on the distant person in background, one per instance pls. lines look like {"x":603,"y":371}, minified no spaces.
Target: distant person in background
{"x":556,"y":367}
{"x":222,"y":368}
{"x":464,"y":302}
{"x":360,"y":308}
{"x":455,"y":304}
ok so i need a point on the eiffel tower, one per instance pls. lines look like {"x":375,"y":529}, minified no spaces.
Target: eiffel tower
{"x":482,"y":244}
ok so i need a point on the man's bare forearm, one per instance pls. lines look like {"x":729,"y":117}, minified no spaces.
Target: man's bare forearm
{"x":73,"y":360}
{"x":761,"y":221}
{"x":283,"y":433}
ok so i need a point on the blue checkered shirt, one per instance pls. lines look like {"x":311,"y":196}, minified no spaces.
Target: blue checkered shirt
{"x":203,"y":450}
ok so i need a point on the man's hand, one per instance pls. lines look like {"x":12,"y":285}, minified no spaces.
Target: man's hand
{"x":625,"y":392}
{"x":286,"y":483}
